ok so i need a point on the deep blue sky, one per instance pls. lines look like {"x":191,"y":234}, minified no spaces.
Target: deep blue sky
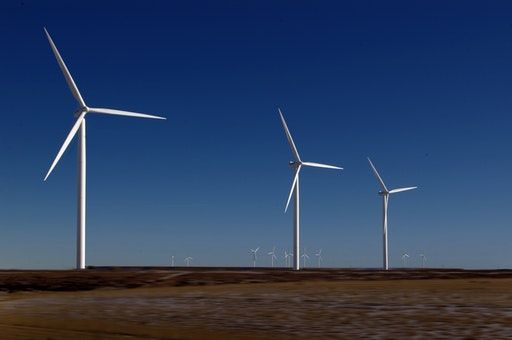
{"x":421,"y":87}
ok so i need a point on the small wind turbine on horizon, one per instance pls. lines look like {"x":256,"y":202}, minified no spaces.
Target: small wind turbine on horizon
{"x":188,"y":259}
{"x":385,"y":199}
{"x":272,"y":256}
{"x":254,"y":256}
{"x":297,"y":165}
{"x":79,"y":125}
{"x":305,"y":257}
{"x":423,"y":260}
{"x":319,"y":256}
{"x":286,"y":258}
{"x":405,"y":256}
{"x":172,"y":261}
{"x":290,"y":256}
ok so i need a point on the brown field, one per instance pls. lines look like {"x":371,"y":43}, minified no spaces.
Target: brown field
{"x":220,"y":303}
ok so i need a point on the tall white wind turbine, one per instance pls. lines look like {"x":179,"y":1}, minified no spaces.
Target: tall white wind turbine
{"x":297,"y":165}
{"x":385,"y":199}
{"x":79,"y":127}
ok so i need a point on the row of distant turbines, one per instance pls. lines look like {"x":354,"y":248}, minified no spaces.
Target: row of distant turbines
{"x":287,"y":257}
{"x":297,"y":164}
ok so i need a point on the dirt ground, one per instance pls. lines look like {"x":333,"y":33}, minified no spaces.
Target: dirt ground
{"x":108,"y":303}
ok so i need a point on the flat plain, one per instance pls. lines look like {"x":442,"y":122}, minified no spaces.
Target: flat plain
{"x":261,"y":303}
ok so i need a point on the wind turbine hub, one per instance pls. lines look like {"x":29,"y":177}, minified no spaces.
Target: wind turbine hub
{"x":81,"y":110}
{"x":294,"y":164}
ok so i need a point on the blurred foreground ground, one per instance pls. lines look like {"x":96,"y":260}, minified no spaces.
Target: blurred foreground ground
{"x":186,"y":303}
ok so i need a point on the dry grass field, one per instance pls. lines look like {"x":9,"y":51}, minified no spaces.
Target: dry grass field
{"x":198,"y":303}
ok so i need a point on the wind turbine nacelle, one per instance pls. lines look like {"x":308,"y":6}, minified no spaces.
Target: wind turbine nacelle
{"x":293,"y":164}
{"x":80,"y":110}
{"x":382,"y":193}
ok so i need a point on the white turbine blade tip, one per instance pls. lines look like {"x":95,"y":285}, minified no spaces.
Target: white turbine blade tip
{"x":376,"y":173}
{"x":66,"y":143}
{"x":295,"y":152}
{"x":294,"y":183}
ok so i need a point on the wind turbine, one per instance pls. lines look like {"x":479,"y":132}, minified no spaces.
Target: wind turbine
{"x":253,"y":252}
{"x":423,"y":260}
{"x":385,"y":199}
{"x":272,"y":256}
{"x":188,"y":259}
{"x":297,"y":165}
{"x":405,"y":256}
{"x":286,"y":256}
{"x":304,"y":258}
{"x":172,"y":261}
{"x":319,"y":256}
{"x":79,"y":125}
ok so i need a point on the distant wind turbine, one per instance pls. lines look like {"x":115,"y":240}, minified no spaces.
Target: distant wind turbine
{"x":385,"y":199}
{"x":297,"y":165}
{"x":272,"y":256}
{"x":286,"y":259}
{"x":172,"y":261}
{"x":188,"y":260}
{"x":319,"y":256}
{"x":423,"y":260}
{"x":304,"y":258}
{"x":405,"y":256}
{"x":79,"y":125}
{"x":254,"y":256}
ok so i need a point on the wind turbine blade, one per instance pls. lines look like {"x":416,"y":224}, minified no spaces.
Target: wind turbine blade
{"x":64,"y":146}
{"x":123,"y":113}
{"x":257,"y":249}
{"x":319,"y":165}
{"x":69,"y":79}
{"x":401,"y":189}
{"x":289,"y":137}
{"x":294,"y":183}
{"x":378,"y":176}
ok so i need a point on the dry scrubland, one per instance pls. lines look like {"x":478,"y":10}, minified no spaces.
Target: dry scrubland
{"x":181,"y":303}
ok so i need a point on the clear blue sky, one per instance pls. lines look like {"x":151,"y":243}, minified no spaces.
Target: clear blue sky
{"x":421,"y":87}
